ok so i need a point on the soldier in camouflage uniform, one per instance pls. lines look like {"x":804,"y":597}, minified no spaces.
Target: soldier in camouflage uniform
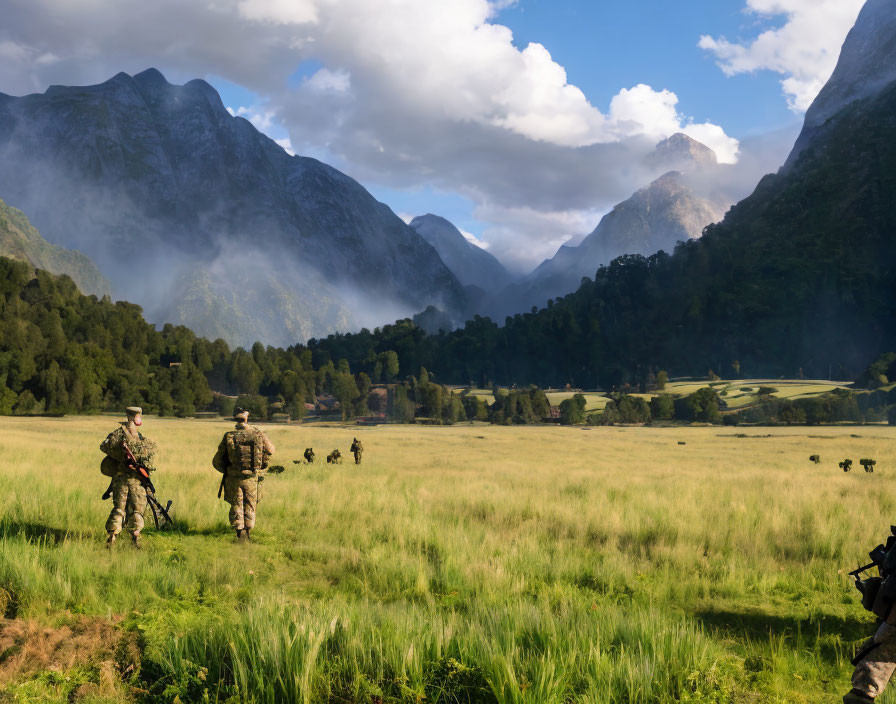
{"x":357,"y":450}
{"x":128,"y":494}
{"x":874,"y":671}
{"x":242,"y":457}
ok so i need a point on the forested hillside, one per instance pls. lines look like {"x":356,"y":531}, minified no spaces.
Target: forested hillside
{"x":20,"y":240}
{"x":63,"y":352}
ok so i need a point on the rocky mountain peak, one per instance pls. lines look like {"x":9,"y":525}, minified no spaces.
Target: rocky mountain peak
{"x":681,"y":153}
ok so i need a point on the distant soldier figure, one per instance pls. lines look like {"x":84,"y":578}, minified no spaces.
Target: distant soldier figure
{"x":122,"y":446}
{"x":868,"y":464}
{"x":242,"y":458}
{"x":815,"y":458}
{"x":309,"y":455}
{"x":846,"y":465}
{"x":357,"y":449}
{"x":335,"y":457}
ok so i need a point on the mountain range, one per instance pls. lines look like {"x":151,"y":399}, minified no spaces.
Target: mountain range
{"x":201,"y":219}
{"x":669,"y":210}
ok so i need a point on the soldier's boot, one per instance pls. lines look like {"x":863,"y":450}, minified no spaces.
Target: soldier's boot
{"x":110,"y":541}
{"x":135,"y":539}
{"x":856,"y":696}
{"x":246,"y":533}
{"x":242,"y":535}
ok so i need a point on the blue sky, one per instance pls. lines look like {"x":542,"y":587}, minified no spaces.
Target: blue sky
{"x":522,"y":121}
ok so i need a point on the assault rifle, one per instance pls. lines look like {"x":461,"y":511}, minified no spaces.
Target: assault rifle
{"x":878,"y":593}
{"x":142,"y":472}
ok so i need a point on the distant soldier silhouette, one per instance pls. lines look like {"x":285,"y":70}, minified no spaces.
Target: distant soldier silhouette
{"x":335,"y":457}
{"x":242,"y":458}
{"x":309,"y":455}
{"x":357,"y":449}
{"x":128,"y":493}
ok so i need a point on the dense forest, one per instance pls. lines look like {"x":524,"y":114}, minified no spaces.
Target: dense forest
{"x":63,"y":352}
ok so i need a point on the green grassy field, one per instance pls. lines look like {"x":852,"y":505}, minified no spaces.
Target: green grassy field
{"x":526,"y":565}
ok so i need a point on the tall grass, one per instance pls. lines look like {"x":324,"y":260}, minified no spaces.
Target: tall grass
{"x":467,"y":564}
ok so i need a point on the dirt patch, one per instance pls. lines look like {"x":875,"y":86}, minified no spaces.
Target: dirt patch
{"x":27,"y":647}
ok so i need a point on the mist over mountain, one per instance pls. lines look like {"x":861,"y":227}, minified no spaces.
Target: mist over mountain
{"x":472,"y":265}
{"x":20,"y":240}
{"x":671,"y":209}
{"x":203,"y":220}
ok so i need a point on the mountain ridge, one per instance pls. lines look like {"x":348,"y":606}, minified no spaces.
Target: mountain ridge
{"x":472,"y":265}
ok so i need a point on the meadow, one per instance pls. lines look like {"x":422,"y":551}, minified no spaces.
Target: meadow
{"x":524,"y":565}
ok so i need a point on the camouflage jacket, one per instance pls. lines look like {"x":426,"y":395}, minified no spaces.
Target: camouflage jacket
{"x":356,"y":446}
{"x":243,"y":452}
{"x":143,"y":448}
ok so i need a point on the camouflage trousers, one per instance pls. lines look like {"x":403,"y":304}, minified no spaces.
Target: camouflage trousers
{"x":872,"y":674}
{"x":242,"y":493}
{"x":128,"y":505}
{"x":357,"y":458}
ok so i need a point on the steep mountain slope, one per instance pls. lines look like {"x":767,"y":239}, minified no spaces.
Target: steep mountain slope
{"x":19,"y":240}
{"x":655,"y":218}
{"x":163,"y":188}
{"x":867,"y":64}
{"x":472,"y":265}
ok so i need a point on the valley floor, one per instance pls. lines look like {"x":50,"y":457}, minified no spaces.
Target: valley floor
{"x":456,"y":564}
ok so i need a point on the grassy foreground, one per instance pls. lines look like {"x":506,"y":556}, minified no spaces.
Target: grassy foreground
{"x":488,"y":564}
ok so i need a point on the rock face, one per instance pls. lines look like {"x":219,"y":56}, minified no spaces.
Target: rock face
{"x":196,"y":215}
{"x":19,"y":240}
{"x":867,"y":64}
{"x":656,"y":217}
{"x":472,"y":265}
{"x":681,"y":153}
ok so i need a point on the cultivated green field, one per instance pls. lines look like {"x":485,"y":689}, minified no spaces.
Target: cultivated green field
{"x":736,"y":394}
{"x":532,"y":565}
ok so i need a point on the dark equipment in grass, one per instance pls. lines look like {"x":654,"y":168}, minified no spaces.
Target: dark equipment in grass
{"x":846,"y":465}
{"x":815,"y":458}
{"x":276,"y":469}
{"x":878,"y":593}
{"x":142,"y":472}
{"x":868,"y":464}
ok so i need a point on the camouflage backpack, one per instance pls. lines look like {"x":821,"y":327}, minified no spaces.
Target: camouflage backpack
{"x":245,"y":452}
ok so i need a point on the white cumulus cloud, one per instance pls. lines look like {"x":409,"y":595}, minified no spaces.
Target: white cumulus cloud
{"x":804,"y":49}
{"x":403,"y":94}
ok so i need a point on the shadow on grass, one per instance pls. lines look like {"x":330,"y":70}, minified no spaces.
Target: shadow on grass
{"x":38,"y":533}
{"x":815,"y":633}
{"x":35,"y":532}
